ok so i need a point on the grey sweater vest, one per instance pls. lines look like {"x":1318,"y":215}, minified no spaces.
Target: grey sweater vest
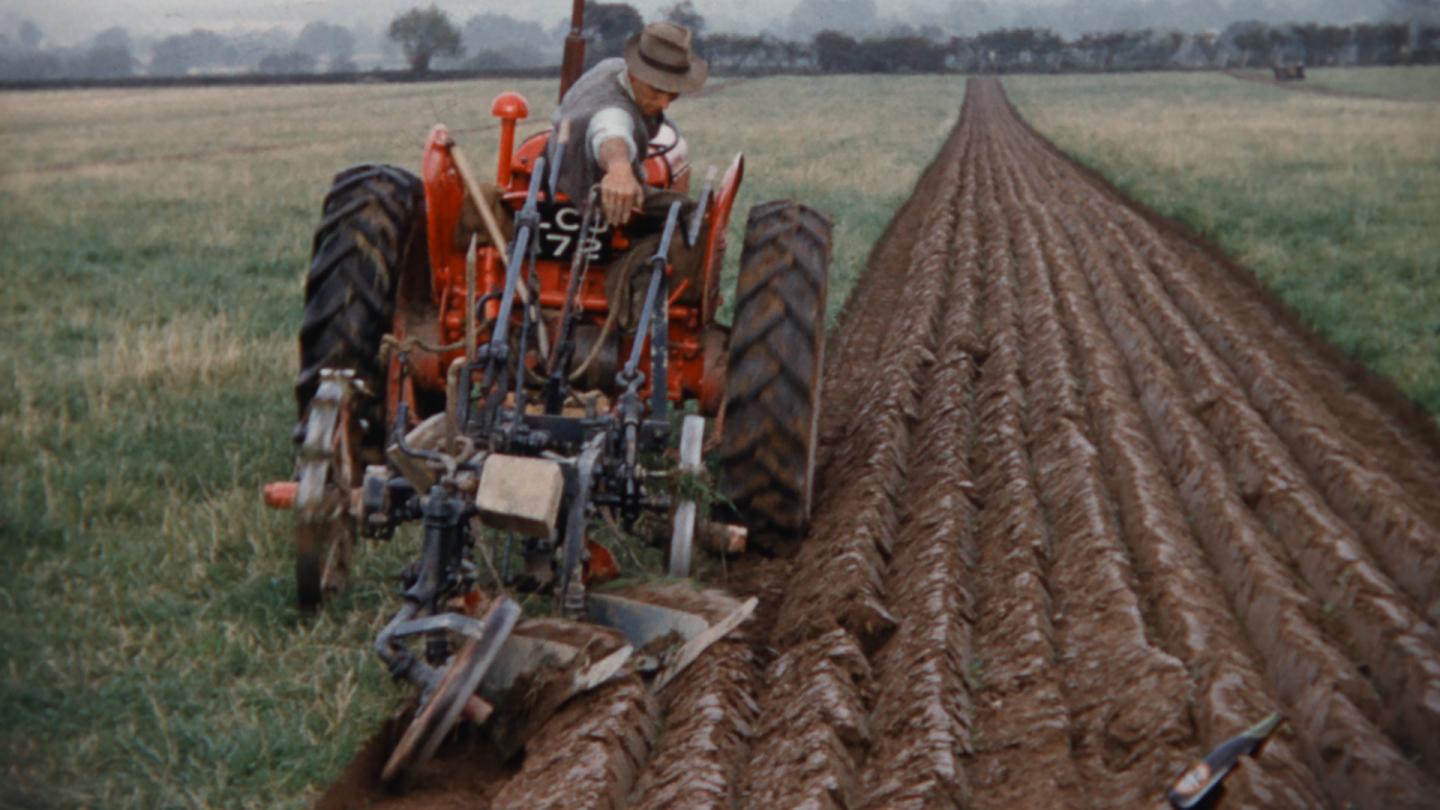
{"x":597,"y":89}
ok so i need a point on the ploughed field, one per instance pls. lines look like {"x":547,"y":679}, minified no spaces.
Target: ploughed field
{"x":1089,"y":504}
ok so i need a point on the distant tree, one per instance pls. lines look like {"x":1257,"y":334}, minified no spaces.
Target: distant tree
{"x":424,"y":34}
{"x":333,"y":43}
{"x":31,"y":66}
{"x":837,"y":53}
{"x":1099,"y":50}
{"x":105,"y":62}
{"x":1011,"y":48}
{"x":180,"y":54}
{"x":498,"y":40}
{"x":288,"y":63}
{"x":684,"y":13}
{"x":850,"y":17}
{"x":607,"y":26}
{"x":1322,"y":43}
{"x":752,"y":54}
{"x":1254,"y":45}
{"x":30,"y":34}
{"x":905,"y":54}
{"x":1427,"y":51}
{"x":113,"y":37}
{"x":1381,"y":44}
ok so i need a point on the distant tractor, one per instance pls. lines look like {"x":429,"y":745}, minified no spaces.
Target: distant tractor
{"x":1289,"y":73}
{"x":497,"y":363}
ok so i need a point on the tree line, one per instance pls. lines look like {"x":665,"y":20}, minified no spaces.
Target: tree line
{"x":427,"y":38}
{"x":1007,"y":50}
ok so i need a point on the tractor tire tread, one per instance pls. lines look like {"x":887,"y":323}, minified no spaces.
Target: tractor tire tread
{"x":773,"y":376}
{"x":372,"y":227}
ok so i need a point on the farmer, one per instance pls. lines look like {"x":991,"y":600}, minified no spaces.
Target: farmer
{"x":615,"y":109}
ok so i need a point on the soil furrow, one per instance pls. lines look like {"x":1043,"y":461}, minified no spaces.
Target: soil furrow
{"x":835,"y":603}
{"x":1332,"y":702}
{"x":1189,"y":609}
{"x":839,"y":571}
{"x":709,"y":714}
{"x":1022,"y":728}
{"x":813,"y":726}
{"x":1353,"y":482}
{"x":1379,"y":436}
{"x":1378,"y":624}
{"x":853,"y":350}
{"x":923,"y":710}
{"x":1370,"y":410}
{"x":1382,"y":628}
{"x":1396,"y":521}
{"x":588,"y":754}
{"x":1131,"y":725}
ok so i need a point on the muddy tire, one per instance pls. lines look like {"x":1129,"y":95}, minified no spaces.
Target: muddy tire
{"x":772,"y":387}
{"x":371,"y":231}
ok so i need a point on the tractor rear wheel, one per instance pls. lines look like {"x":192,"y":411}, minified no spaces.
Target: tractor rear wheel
{"x":772,"y":386}
{"x":372,"y":230}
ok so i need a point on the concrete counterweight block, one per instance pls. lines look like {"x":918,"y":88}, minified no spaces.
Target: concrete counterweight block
{"x":519,"y":494}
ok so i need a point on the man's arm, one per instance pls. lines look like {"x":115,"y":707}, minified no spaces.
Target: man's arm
{"x":620,"y":191}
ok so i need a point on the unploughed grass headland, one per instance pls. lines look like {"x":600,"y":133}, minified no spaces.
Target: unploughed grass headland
{"x":155,"y":247}
{"x":1332,"y":202}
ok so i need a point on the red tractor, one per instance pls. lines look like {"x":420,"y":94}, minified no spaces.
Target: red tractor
{"x":494,"y":361}
{"x":403,"y":267}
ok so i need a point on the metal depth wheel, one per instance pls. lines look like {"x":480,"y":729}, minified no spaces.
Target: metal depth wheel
{"x":682,"y":531}
{"x":326,"y":472}
{"x":774,"y":375}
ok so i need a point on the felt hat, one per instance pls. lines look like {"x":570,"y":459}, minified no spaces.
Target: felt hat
{"x":662,"y":57}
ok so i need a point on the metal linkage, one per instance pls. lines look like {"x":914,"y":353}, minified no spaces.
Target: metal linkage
{"x":564,"y":351}
{"x":628,"y":414}
{"x":569,"y":590}
{"x":495,"y":356}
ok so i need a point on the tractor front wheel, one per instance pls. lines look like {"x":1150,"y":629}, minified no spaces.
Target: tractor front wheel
{"x":772,"y":386}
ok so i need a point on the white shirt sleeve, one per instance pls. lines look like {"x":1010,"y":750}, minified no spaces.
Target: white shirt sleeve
{"x":609,"y":123}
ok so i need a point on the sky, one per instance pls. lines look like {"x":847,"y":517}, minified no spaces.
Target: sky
{"x":71,"y":21}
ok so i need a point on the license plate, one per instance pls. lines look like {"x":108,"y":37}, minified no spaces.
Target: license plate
{"x":560,"y":235}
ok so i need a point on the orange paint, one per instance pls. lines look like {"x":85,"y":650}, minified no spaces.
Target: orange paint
{"x":689,"y":376}
{"x":281,"y":494}
{"x":601,"y":567}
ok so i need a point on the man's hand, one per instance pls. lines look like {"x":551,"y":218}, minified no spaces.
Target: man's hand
{"x":620,"y":193}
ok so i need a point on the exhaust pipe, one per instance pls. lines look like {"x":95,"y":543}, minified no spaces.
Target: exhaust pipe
{"x":574,"y":62}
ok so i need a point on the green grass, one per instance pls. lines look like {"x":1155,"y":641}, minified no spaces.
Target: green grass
{"x":155,"y":243}
{"x":1332,"y":202}
{"x":1418,"y":83}
{"x":1405,"y":82}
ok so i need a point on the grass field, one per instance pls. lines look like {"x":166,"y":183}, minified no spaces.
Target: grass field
{"x":155,"y":242}
{"x":1405,"y":82}
{"x":1333,"y":202}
